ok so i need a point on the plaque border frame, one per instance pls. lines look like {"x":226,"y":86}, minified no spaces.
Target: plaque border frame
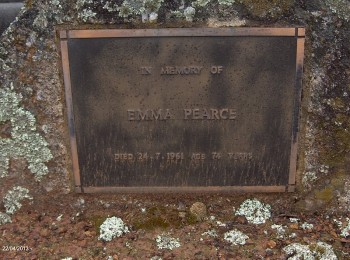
{"x":297,"y":32}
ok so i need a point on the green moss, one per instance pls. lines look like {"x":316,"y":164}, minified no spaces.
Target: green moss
{"x":162,"y":218}
{"x":97,"y":222}
{"x":191,"y":219}
{"x":157,"y":217}
{"x":151,"y":223}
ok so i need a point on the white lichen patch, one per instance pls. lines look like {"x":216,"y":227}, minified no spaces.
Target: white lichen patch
{"x":4,"y":164}
{"x":148,"y":9}
{"x":201,"y":3}
{"x":177,"y":14}
{"x":13,"y":198}
{"x":189,"y":13}
{"x":111,"y":228}
{"x":156,"y":258}
{"x":309,"y":178}
{"x":294,"y":220}
{"x":25,"y":142}
{"x":338,"y":222}
{"x":167,"y":242}
{"x":81,"y":3}
{"x":41,"y":20}
{"x":110,"y":6}
{"x":4,"y":218}
{"x":59,"y":218}
{"x":306,"y":226}
{"x":234,"y":22}
{"x":319,"y":251}
{"x":341,"y":8}
{"x":236,"y":237}
{"x":226,"y":2}
{"x":129,"y":8}
{"x":86,"y":15}
{"x":254,"y":211}
{"x":153,"y":17}
{"x":293,"y":235}
{"x":84,"y":11}
{"x":345,"y":232}
{"x":323,"y":251}
{"x":280,"y":231}
{"x":298,"y":251}
{"x":51,"y":10}
{"x":220,"y":224}
{"x":343,"y":226}
{"x":210,"y":233}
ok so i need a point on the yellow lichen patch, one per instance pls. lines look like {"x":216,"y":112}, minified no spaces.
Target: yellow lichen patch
{"x":29,"y":4}
{"x":338,"y":180}
{"x":263,"y":8}
{"x":338,"y":103}
{"x":325,"y":195}
{"x":338,"y":140}
{"x":317,"y":249}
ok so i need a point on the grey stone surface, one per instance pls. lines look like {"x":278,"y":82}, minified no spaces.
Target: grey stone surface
{"x":30,"y":63}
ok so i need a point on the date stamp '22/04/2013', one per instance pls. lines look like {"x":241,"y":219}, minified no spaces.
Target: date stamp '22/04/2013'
{"x":9,"y":248}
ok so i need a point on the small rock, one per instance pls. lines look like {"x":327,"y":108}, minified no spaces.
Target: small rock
{"x":88,"y":233}
{"x":269,"y":252}
{"x":240,"y":220}
{"x":182,"y":214}
{"x":62,"y":230}
{"x":271,"y":244}
{"x":82,"y":243}
{"x":199,"y":210}
{"x":181,"y":206}
{"x":334,"y":234}
{"x":44,"y":232}
{"x":294,"y":226}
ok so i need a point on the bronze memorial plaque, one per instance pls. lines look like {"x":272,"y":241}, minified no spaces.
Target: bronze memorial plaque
{"x":197,"y":109}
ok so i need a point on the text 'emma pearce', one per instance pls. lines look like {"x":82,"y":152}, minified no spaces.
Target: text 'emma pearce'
{"x":186,"y":114}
